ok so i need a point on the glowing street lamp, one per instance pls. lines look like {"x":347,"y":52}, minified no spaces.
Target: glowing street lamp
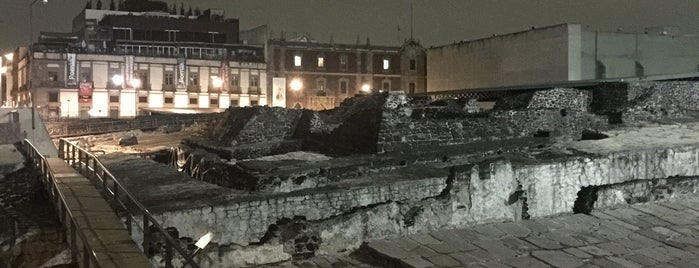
{"x":9,"y":56}
{"x":366,"y":87}
{"x":117,"y":80}
{"x":216,"y":81}
{"x":135,"y":83}
{"x":296,"y":84}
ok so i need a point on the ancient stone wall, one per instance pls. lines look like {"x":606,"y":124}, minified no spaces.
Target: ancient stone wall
{"x":568,"y":99}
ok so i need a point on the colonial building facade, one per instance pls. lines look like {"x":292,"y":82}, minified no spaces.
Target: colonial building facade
{"x":307,"y":74}
{"x":121,"y":64}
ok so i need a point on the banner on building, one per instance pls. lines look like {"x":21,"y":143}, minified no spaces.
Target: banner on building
{"x":181,"y":72}
{"x":85,"y":92}
{"x":224,"y":73}
{"x":279,"y":92}
{"x":72,"y":70}
{"x":128,"y":69}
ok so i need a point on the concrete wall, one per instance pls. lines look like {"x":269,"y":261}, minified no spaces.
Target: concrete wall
{"x":656,"y":54}
{"x":528,"y":57}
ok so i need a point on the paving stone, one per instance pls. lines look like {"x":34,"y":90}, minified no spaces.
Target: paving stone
{"x":515,"y":229}
{"x":424,"y":239}
{"x":596,"y":251}
{"x":444,"y":261}
{"x":667,"y":233}
{"x":653,"y":220}
{"x":543,"y":242}
{"x":464,"y":258}
{"x":404,"y":243}
{"x":686,"y":263}
{"x":389,"y":249}
{"x":603,"y":262}
{"x":467,"y":235}
{"x":685,"y":230}
{"x":497,"y":249}
{"x":443,"y":248}
{"x":481,"y":255}
{"x":525,"y":262}
{"x":489,"y":231}
{"x":517,"y":244}
{"x":557,"y":258}
{"x":535,"y":226}
{"x":454,"y":240}
{"x":624,"y":262}
{"x":423,"y":251}
{"x":416,"y":262}
{"x":643,"y":241}
{"x":614,"y":248}
{"x":564,"y":238}
{"x":655,"y":254}
{"x":578,"y":253}
{"x":641,"y":259}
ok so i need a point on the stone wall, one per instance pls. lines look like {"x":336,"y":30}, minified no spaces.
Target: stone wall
{"x":244,"y":125}
{"x":559,"y":113}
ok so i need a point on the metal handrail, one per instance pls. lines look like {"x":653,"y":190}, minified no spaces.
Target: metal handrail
{"x":49,"y":179}
{"x":68,"y":152}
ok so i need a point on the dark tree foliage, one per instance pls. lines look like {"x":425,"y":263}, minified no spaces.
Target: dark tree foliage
{"x":145,"y":6}
{"x":99,"y":4}
{"x":173,"y":9}
{"x":121,"y":5}
{"x":181,"y":9}
{"x":197,"y":12}
{"x":88,"y":5}
{"x":111,"y":5}
{"x":189,"y":12}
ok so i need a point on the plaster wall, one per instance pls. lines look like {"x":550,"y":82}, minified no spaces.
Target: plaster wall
{"x":656,"y":54}
{"x":528,"y":57}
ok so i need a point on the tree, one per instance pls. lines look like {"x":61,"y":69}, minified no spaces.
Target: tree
{"x":111,"y":5}
{"x":181,"y":9}
{"x":88,"y":5}
{"x":173,"y":9}
{"x":197,"y":12}
{"x":189,"y":12}
{"x":121,"y":5}
{"x":99,"y":4}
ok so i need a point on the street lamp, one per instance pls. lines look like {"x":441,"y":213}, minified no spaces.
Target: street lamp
{"x":135,"y":83}
{"x":366,"y":87}
{"x":216,"y":81}
{"x":29,"y":50}
{"x":118,"y":80}
{"x":296,"y":84}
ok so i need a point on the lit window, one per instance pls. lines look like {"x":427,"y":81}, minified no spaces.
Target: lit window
{"x":297,"y":61}
{"x":343,"y":61}
{"x":321,"y":62}
{"x":386,"y":64}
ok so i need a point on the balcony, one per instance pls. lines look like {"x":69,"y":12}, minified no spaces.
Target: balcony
{"x":168,"y":87}
{"x":193,"y":88}
{"x":254,"y":91}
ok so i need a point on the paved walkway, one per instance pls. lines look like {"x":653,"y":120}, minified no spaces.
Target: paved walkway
{"x":661,"y":234}
{"x":96,"y":219}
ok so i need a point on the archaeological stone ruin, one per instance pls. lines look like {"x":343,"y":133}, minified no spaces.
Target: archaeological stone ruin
{"x":275,"y":184}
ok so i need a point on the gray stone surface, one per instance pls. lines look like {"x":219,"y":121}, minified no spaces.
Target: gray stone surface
{"x":606,"y":238}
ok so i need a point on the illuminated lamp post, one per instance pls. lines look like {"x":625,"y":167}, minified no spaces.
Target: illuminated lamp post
{"x":296,"y":86}
{"x":216,"y":82}
{"x":366,"y":88}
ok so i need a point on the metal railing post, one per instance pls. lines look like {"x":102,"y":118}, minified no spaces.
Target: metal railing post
{"x":73,"y":245}
{"x":146,"y":236}
{"x":61,"y":144}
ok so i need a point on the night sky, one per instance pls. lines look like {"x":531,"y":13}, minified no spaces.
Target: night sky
{"x":437,"y":22}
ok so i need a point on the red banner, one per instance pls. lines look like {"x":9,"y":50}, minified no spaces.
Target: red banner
{"x":85,"y":92}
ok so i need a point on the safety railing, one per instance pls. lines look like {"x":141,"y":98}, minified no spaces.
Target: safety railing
{"x":88,"y":165}
{"x":89,"y":257}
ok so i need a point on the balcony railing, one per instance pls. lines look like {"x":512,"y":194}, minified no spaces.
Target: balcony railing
{"x":193,"y":88}
{"x":167,"y":87}
{"x":254,"y":91}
